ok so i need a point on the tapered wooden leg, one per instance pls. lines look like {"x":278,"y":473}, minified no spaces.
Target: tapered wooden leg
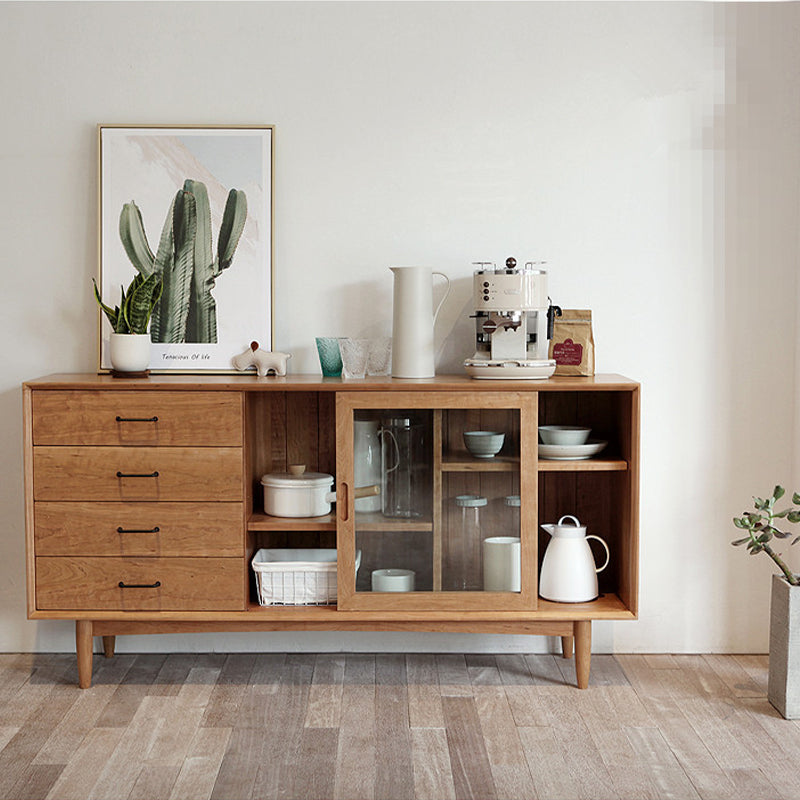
{"x":566,"y":646}
{"x":583,"y":651}
{"x":108,"y":646}
{"x":83,"y":646}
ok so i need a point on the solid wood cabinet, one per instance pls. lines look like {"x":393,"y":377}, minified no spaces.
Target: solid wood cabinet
{"x":144,"y":502}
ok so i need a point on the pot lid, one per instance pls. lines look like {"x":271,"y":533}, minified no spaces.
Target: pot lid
{"x":297,"y":478}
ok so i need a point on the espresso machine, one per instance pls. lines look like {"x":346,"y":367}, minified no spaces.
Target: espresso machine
{"x":513,"y":322}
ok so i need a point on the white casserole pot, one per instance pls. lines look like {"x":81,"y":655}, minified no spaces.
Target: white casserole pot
{"x":298,"y":493}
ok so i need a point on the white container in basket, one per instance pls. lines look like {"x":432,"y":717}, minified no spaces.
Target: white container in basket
{"x":296,"y":577}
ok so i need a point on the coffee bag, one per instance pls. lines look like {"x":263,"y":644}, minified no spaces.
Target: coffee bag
{"x":572,"y":345}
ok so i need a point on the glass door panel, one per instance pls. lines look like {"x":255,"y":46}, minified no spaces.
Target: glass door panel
{"x":446,"y":527}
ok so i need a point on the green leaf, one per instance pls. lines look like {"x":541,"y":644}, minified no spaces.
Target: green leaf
{"x":793,"y":516}
{"x":796,"y":498}
{"x":780,"y":514}
{"x":737,"y":542}
{"x":795,"y":540}
{"x":757,"y":548}
{"x":760,"y":503}
{"x":778,"y":492}
{"x":738,"y":522}
{"x":764,"y":538}
{"x":111,"y":314}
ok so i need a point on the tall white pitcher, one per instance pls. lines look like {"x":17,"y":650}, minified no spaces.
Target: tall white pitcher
{"x":413,"y":319}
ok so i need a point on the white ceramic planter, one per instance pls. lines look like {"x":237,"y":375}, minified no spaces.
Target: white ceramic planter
{"x":784,"y":648}
{"x":130,"y":352}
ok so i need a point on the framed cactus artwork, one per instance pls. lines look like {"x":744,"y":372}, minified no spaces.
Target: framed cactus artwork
{"x":193,"y":205}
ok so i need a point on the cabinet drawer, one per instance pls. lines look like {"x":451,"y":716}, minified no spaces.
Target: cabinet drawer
{"x":137,"y":473}
{"x":138,"y":529}
{"x":149,"y":584}
{"x":201,"y":419}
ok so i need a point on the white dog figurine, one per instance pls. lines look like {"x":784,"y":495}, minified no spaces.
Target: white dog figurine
{"x":263,"y":360}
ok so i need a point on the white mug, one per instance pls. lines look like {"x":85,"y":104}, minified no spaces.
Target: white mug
{"x":501,"y":564}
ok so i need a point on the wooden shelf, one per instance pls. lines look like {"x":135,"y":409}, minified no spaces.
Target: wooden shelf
{"x":586,"y":465}
{"x":367,"y":521}
{"x":260,"y":521}
{"x":465,"y":463}
{"x":375,"y":521}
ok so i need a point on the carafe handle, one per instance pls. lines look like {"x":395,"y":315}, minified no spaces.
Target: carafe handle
{"x":446,"y":292}
{"x":385,"y":431}
{"x":608,"y":554}
{"x":574,"y":519}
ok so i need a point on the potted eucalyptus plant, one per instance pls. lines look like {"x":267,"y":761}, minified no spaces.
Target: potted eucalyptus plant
{"x":130,"y":340}
{"x":762,"y":530}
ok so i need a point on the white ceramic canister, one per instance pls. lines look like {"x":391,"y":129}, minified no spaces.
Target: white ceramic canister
{"x":367,"y":461}
{"x":501,"y":564}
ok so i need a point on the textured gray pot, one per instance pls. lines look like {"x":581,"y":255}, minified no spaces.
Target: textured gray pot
{"x":784,"y":648}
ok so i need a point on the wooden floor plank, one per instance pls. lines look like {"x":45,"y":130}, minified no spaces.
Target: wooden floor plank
{"x":86,"y":764}
{"x":134,"y":686}
{"x":433,"y":778}
{"x":17,"y":757}
{"x":667,"y":775}
{"x":222,"y":710}
{"x":313,"y":774}
{"x":738,"y":681}
{"x":424,"y":696}
{"x":239,"y":767}
{"x":325,"y":694}
{"x":454,"y":678}
{"x":356,"y":766}
{"x":123,"y":766}
{"x":84,"y":713}
{"x":469,"y":762}
{"x":395,"y":778}
{"x":510,"y":773}
{"x":283,"y":727}
{"x":200,"y":767}
{"x":154,"y":780}
{"x":550,"y":775}
{"x":182,"y":714}
{"x":36,"y":781}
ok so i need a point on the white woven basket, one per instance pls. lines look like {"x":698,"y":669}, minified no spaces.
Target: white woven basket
{"x":296,"y":577}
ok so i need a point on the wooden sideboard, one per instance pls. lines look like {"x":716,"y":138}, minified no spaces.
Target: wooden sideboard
{"x":144,"y":504}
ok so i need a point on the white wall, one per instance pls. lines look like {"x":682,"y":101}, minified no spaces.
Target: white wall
{"x":647,"y":151}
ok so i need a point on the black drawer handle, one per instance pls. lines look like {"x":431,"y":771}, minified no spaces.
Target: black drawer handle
{"x":137,"y":474}
{"x":123,"y":585}
{"x":138,"y":530}
{"x":137,"y":419}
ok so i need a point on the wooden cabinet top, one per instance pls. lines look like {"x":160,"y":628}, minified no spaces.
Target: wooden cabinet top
{"x":316,"y":383}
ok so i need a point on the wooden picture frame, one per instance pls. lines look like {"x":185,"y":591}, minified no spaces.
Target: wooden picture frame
{"x":163,"y":197}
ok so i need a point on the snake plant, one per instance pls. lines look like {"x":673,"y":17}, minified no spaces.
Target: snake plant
{"x":185,"y":260}
{"x":133,"y":313}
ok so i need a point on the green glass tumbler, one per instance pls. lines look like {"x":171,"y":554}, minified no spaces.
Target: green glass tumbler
{"x":330,"y":357}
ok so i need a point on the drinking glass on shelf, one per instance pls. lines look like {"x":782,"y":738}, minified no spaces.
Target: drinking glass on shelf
{"x":379,"y":361}
{"x":354,"y":357}
{"x":330,"y":357}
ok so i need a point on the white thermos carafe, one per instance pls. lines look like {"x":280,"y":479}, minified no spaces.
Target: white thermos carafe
{"x":569,"y":574}
{"x":413,"y":319}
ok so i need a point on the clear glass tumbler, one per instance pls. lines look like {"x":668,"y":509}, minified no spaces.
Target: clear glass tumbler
{"x":354,"y":357}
